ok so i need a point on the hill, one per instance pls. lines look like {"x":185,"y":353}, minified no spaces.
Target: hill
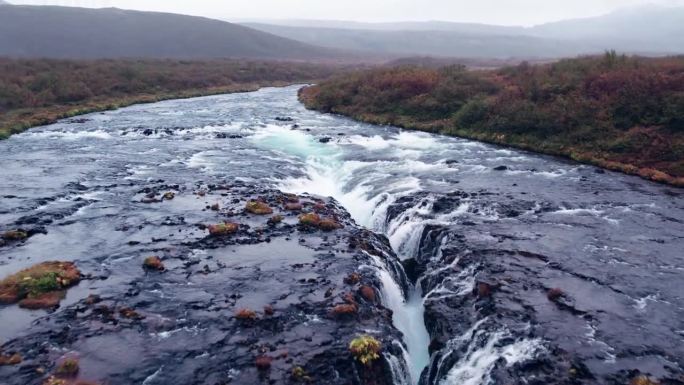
{"x":66,"y":32}
{"x":445,"y":43}
{"x":648,"y":29}
{"x":651,"y":30}
{"x":622,"y":113}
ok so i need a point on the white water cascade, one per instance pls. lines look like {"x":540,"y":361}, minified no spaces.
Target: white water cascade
{"x":328,"y":174}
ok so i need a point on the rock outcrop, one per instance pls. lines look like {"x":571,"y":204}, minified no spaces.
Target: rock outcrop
{"x":266,"y":302}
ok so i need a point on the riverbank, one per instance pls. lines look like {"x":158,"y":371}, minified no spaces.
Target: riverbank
{"x":622,"y":114}
{"x":20,"y":120}
{"x":38,"y":92}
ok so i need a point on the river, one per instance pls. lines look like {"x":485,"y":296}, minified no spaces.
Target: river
{"x":613,"y":243}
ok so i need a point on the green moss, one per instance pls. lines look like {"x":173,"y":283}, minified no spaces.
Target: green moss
{"x":35,"y":286}
{"x":38,"y":280}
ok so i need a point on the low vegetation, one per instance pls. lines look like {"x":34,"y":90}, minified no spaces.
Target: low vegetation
{"x":39,"y":286}
{"x":366,"y":349}
{"x":40,"y":91}
{"x":153,"y":263}
{"x":309,"y":220}
{"x":222,"y":229}
{"x":344,"y":310}
{"x":258,"y":208}
{"x":14,"y":235}
{"x":10,"y":359}
{"x":618,"y":112}
{"x":246,"y":315}
{"x":68,"y":368}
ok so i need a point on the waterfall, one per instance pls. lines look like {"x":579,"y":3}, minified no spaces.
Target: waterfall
{"x":328,"y":174}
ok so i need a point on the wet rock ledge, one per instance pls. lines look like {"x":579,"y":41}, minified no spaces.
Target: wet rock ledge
{"x":260,"y":287}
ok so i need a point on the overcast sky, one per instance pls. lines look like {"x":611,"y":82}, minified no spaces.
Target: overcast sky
{"x":505,"y":12}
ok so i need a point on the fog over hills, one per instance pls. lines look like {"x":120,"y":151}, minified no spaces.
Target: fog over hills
{"x":643,"y":30}
{"x":66,"y":32}
{"x":646,"y":29}
{"x":427,"y":42}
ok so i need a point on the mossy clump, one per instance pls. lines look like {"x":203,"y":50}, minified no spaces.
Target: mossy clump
{"x":52,"y":380}
{"x":300,"y":375}
{"x":246,"y":315}
{"x":127,"y":312}
{"x":313,"y":220}
{"x":554,"y":294}
{"x":344,"y":310}
{"x":68,"y":368}
{"x":366,"y":349}
{"x":222,"y":229}
{"x":352,"y":278}
{"x":258,"y":208}
{"x":43,"y":301}
{"x":40,"y":286}
{"x":15,"y":235}
{"x":10,"y":359}
{"x":328,"y":224}
{"x":263,"y":362}
{"x":274,"y":220}
{"x":293,"y":206}
{"x":483,"y":290}
{"x":643,"y":380}
{"x":153,"y":263}
{"x":368,"y":293}
{"x":309,"y":220}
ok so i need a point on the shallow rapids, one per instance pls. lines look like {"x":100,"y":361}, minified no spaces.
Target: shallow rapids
{"x":617,"y":230}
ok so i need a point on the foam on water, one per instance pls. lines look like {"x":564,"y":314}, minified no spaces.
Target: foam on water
{"x":483,"y":349}
{"x":327,"y":173}
{"x":407,"y":316}
{"x":67,"y":135}
{"x":372,"y":143}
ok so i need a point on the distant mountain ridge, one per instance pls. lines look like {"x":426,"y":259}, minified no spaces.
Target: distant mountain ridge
{"x":656,"y":30}
{"x":440,"y":43}
{"x":66,"y":32}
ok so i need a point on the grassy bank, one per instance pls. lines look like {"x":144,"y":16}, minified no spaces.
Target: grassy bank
{"x":37,"y":92}
{"x":624,"y":114}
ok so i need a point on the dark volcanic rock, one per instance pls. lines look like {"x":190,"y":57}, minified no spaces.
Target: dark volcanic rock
{"x":245,"y":308}
{"x":498,"y":304}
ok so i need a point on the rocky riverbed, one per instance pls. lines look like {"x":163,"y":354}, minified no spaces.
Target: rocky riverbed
{"x":275,"y":300}
{"x":243,"y":239}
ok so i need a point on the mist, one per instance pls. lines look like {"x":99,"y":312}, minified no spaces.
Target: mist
{"x":517,"y":12}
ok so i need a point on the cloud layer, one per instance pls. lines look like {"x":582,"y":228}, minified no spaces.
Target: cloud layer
{"x":505,"y":12}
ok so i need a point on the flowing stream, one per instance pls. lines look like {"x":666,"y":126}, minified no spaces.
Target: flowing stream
{"x":388,"y":179}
